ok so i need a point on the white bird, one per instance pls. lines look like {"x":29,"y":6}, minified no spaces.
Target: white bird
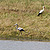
{"x":41,"y":11}
{"x":20,"y":29}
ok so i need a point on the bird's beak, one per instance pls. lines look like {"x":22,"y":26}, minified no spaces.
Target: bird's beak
{"x":15,"y":24}
{"x":44,"y":7}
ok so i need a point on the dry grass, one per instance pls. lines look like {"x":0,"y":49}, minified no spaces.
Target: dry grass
{"x":25,"y":14}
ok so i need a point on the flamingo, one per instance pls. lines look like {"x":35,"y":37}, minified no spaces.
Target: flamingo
{"x":41,"y":11}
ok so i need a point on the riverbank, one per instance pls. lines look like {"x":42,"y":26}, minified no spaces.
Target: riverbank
{"x":24,"y":12}
{"x":21,"y":38}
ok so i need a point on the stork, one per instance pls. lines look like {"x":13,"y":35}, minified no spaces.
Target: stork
{"x":41,"y":11}
{"x":19,"y":28}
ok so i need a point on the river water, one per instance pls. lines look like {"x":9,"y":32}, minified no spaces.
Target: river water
{"x":23,"y":45}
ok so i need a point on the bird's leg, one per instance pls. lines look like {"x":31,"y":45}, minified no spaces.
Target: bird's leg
{"x":41,"y":15}
{"x":21,"y":33}
{"x":18,"y":34}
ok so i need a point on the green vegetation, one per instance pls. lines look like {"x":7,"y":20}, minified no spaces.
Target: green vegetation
{"x":24,"y":12}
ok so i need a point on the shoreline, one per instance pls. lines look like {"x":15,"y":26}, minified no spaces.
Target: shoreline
{"x":20,"y":39}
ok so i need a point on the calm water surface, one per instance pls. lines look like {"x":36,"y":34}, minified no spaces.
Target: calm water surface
{"x":24,"y":45}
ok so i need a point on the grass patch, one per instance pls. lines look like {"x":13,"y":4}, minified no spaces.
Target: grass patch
{"x":24,"y":12}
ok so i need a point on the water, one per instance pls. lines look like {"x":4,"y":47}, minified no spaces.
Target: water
{"x":24,"y":45}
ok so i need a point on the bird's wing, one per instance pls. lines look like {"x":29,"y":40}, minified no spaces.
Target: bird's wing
{"x":20,"y":28}
{"x":41,"y":11}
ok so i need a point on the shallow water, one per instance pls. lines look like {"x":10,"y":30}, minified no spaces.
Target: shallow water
{"x":24,"y":45}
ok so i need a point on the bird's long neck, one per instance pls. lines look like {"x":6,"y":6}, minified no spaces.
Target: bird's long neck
{"x":43,"y":8}
{"x":17,"y":27}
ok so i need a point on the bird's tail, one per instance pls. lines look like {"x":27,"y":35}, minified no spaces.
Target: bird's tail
{"x":38,"y":14}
